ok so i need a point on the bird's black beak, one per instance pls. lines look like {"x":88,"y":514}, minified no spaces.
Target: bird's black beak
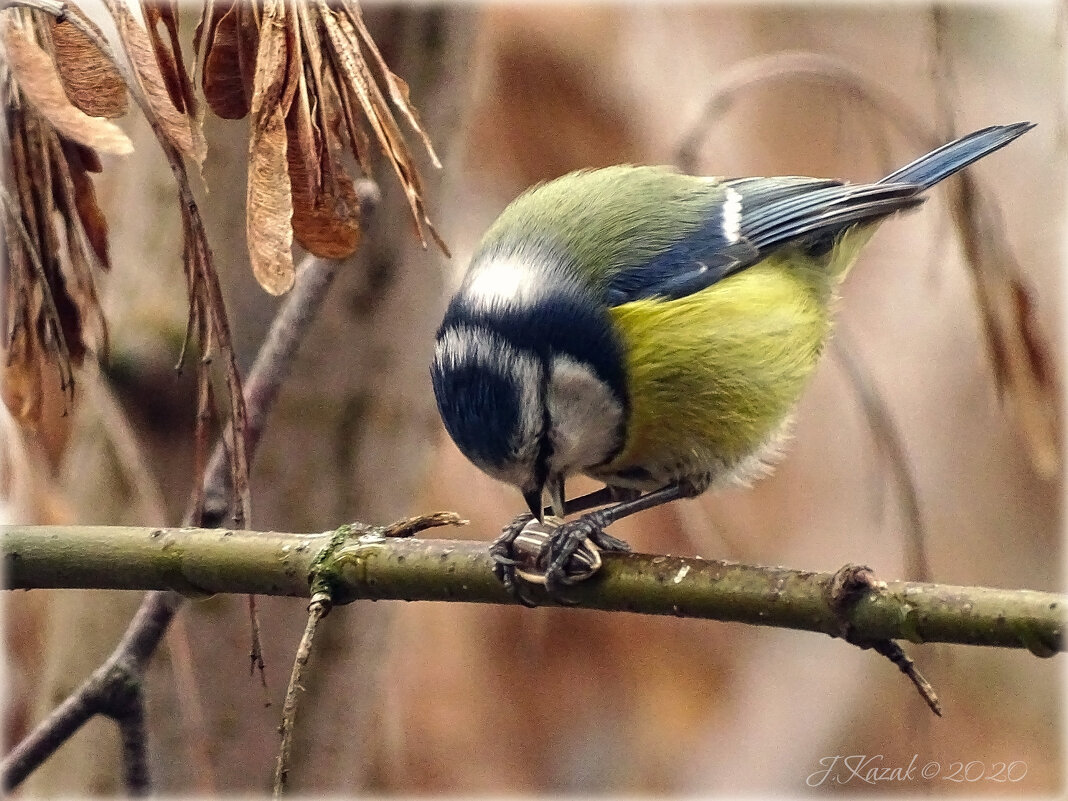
{"x":557,"y":495}
{"x":533,"y":499}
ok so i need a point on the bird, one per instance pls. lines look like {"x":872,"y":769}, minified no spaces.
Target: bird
{"x":652,"y":330}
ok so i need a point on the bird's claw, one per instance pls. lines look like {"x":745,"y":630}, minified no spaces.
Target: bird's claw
{"x":504,"y":562}
{"x":555,"y":556}
{"x":606,"y":542}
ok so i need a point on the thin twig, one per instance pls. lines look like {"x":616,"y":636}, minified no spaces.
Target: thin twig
{"x":268,"y":373}
{"x":410,"y":526}
{"x":158,"y":608}
{"x":847,"y":587}
{"x":892,"y":651}
{"x":318,"y":609}
{"x":794,"y":66}
{"x":255,"y":654}
{"x":883,"y":427}
{"x":66,"y":373}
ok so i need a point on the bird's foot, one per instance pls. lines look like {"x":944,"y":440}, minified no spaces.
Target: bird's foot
{"x":554,"y":554}
{"x":573,"y":553}
{"x":504,"y":558}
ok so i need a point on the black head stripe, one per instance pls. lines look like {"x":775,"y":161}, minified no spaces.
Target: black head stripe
{"x":562,"y":322}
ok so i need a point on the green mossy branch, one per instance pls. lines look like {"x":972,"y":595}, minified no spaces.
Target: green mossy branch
{"x":362,"y":562}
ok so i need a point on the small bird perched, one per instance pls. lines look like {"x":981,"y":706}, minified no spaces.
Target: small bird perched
{"x":652,"y":330}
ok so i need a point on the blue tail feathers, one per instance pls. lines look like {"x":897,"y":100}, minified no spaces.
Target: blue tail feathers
{"x":941,"y":163}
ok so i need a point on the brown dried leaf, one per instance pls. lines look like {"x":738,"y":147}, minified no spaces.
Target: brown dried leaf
{"x":335,"y":114}
{"x":309,"y":36}
{"x":326,"y":224}
{"x":85,"y":155}
{"x":31,"y":176}
{"x":294,"y":62}
{"x":72,"y":189}
{"x":182,"y":131}
{"x":1030,"y":378}
{"x":70,"y":320}
{"x":59,"y":322}
{"x":92,"y":219}
{"x":22,"y":169}
{"x":398,"y":89}
{"x":205,"y":28}
{"x":224,"y":82}
{"x":275,"y":45}
{"x":39,"y":81}
{"x":269,"y":204}
{"x":326,"y":210}
{"x":1036,"y":349}
{"x":32,"y":243}
{"x":248,"y":40}
{"x":346,"y":48}
{"x":13,"y":268}
{"x":22,"y":377}
{"x":269,"y":224}
{"x":305,"y":140}
{"x":357,"y":81}
{"x":169,"y":58}
{"x":401,"y":94}
{"x":91,"y":81}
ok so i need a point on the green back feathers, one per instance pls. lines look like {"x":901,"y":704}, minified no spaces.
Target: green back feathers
{"x":608,"y":219}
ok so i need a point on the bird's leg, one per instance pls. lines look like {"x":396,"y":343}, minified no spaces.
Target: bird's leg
{"x":569,"y":536}
{"x":601,"y":497}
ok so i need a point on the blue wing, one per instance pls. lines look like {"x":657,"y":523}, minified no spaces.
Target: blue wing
{"x":757,"y":216}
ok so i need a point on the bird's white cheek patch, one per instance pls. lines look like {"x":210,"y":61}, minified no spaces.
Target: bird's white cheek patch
{"x":585,"y":417}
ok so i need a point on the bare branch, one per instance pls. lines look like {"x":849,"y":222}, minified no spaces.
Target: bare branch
{"x":126,"y":664}
{"x":360,"y":562}
{"x":134,"y":759}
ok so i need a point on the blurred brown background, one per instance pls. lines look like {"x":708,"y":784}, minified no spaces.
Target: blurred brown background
{"x":450,"y":698}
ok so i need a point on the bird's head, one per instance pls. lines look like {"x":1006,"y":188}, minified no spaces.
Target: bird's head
{"x":528,"y":377}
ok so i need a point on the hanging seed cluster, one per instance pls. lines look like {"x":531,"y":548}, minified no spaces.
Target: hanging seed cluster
{"x":317,"y":92}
